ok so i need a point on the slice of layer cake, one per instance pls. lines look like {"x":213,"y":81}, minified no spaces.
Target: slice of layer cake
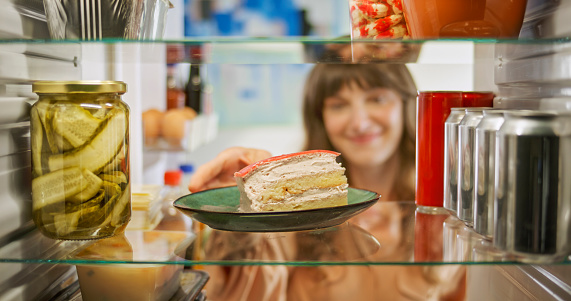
{"x":299,"y":181}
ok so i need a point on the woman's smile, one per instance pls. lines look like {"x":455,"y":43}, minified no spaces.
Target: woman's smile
{"x":364,"y":139}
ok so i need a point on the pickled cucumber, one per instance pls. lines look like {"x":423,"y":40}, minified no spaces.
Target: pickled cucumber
{"x":100,"y":113}
{"x":75,"y":124}
{"x":117,"y":177}
{"x":56,"y":186}
{"x":61,"y":143}
{"x":39,"y":141}
{"x":112,"y":217}
{"x":114,"y":164}
{"x":100,"y":150}
{"x":36,"y":139}
{"x":84,"y":217}
{"x":46,"y":118}
{"x":120,"y":207}
{"x":97,"y":200}
{"x":93,"y":186}
{"x":111,"y":189}
{"x":94,"y":216}
{"x":66,"y":223}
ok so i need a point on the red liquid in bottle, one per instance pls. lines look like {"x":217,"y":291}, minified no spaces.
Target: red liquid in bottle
{"x":432,"y":110}
{"x":428,"y":227}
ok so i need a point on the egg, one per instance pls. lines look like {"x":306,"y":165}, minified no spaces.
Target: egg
{"x":174,"y":124}
{"x":152,"y":125}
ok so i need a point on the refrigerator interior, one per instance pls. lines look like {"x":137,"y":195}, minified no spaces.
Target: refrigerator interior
{"x":526,"y":76}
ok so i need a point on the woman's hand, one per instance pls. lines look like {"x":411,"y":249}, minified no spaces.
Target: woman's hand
{"x":220,"y":171}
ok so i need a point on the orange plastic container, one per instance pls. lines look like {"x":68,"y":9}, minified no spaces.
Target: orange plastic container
{"x":427,"y":19}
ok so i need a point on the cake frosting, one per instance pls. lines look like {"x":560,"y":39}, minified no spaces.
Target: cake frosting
{"x":304,"y":180}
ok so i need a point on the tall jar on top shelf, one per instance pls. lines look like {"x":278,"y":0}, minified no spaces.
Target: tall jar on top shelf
{"x":80,"y":159}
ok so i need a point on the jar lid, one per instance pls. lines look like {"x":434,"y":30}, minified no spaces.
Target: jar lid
{"x":85,"y":86}
{"x":187,"y":168}
{"x":172,"y":177}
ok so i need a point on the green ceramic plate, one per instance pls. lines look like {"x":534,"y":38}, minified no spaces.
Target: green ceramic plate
{"x":218,"y":208}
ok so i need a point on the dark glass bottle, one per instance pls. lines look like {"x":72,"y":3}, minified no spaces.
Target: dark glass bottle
{"x":194,"y":89}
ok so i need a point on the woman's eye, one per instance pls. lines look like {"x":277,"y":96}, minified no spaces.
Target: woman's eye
{"x":382,"y":96}
{"x":378,"y":99}
{"x":335,"y":105}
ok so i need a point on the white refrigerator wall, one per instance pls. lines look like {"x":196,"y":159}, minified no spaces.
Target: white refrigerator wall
{"x":440,"y":66}
{"x":238,"y":89}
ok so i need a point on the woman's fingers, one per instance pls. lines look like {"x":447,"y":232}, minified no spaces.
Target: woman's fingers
{"x":219,"y":172}
{"x":205,"y":174}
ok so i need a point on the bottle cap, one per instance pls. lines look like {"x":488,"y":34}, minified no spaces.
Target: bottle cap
{"x":187,"y":168}
{"x":172,"y":177}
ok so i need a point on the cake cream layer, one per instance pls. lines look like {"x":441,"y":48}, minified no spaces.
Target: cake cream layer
{"x":310,"y":199}
{"x":319,"y":170}
{"x":293,"y":167}
{"x":310,"y":177}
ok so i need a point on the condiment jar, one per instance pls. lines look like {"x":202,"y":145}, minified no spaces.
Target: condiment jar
{"x":80,"y":159}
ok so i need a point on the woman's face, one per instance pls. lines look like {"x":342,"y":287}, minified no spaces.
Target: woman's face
{"x":365,"y":125}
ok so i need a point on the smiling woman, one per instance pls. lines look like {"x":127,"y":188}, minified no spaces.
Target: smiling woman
{"x":367,"y":113}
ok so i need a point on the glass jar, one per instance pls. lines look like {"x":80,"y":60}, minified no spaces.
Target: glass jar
{"x":80,"y":159}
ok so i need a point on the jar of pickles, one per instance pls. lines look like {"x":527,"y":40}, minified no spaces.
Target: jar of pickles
{"x":80,"y":159}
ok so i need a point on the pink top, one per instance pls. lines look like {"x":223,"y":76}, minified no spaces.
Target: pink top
{"x":244,"y":171}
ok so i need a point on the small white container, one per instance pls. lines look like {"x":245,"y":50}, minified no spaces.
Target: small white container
{"x":145,"y":207}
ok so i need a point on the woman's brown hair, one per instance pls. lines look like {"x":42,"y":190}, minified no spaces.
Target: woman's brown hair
{"x":327,"y":79}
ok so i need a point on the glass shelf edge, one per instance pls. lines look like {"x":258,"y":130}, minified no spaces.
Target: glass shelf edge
{"x":308,"y":40}
{"x":276,"y":263}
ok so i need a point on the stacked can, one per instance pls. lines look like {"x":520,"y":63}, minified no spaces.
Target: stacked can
{"x":451,"y":159}
{"x":466,"y":135}
{"x":485,"y":162}
{"x":450,"y":229}
{"x":532,"y":195}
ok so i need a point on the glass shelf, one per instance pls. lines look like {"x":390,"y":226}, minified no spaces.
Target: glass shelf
{"x":280,"y":50}
{"x":402,"y":234}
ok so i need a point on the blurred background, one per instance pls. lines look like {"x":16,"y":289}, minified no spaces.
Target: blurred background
{"x":257,"y":104}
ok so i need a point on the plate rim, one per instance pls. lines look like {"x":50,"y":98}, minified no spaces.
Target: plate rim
{"x":375,"y":197}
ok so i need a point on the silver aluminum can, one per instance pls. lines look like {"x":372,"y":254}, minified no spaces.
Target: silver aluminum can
{"x":466,"y":135}
{"x":450,"y":228}
{"x":533,"y":186}
{"x":451,"y":158}
{"x":485,"y":162}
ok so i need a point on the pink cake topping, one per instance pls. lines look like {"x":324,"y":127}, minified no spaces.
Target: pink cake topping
{"x":244,"y":171}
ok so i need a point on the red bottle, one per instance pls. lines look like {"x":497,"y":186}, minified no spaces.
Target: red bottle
{"x":433,"y":107}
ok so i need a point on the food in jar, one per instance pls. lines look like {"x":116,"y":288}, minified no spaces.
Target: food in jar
{"x":298,"y":181}
{"x":377,"y":19}
{"x":80,"y":185}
